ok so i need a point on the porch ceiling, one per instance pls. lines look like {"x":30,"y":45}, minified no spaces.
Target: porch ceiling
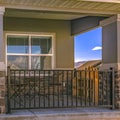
{"x":60,"y":9}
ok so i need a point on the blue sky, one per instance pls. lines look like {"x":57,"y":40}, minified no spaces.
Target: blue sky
{"x":88,"y":45}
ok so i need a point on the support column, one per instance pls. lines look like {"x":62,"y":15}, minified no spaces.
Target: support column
{"x":111,"y":50}
{"x":2,"y":64}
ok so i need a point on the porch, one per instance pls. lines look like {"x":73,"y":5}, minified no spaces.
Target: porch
{"x":61,"y":20}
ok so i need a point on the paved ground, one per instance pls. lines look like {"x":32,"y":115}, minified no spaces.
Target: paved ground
{"x":63,"y":114}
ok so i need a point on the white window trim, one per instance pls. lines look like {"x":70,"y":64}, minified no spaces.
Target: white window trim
{"x":53,"y":35}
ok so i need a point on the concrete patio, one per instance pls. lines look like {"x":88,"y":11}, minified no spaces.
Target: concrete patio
{"x":63,"y":114}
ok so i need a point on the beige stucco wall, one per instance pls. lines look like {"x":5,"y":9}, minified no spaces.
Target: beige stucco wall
{"x":64,"y":41}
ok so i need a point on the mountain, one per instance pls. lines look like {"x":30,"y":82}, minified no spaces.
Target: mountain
{"x":78,"y":64}
{"x":91,"y":64}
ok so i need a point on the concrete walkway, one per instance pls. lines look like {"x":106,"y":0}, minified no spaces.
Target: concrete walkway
{"x":63,"y":114}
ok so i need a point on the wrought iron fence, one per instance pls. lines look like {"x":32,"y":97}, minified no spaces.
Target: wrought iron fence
{"x":33,"y":89}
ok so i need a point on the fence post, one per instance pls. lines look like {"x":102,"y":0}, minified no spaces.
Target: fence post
{"x":113,"y":87}
{"x":73,"y":88}
{"x":75,"y":73}
{"x":8,"y":90}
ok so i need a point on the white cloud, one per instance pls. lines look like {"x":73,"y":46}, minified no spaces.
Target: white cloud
{"x":97,"y":48}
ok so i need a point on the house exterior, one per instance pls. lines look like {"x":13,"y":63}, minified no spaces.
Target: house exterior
{"x":40,"y":34}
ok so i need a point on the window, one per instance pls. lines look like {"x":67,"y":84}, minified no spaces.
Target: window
{"x":29,"y":51}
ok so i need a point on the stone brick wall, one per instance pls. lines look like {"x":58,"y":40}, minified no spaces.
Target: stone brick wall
{"x":2,"y":91}
{"x":105,"y":89}
{"x":117,"y":89}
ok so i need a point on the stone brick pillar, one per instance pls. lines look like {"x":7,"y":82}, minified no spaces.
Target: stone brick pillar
{"x":2,"y":87}
{"x":2,"y":64}
{"x":111,"y":51}
{"x":117,"y":89}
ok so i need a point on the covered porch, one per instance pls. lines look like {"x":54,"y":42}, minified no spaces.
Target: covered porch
{"x":55,"y":22}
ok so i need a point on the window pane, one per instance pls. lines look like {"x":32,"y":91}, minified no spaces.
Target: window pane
{"x":43,"y":62}
{"x":17,"y":44}
{"x":18,"y":62}
{"x":41,"y":45}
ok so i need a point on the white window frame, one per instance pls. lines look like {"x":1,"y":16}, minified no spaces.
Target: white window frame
{"x":53,"y":61}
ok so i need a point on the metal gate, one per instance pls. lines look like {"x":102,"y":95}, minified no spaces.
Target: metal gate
{"x":36,"y":89}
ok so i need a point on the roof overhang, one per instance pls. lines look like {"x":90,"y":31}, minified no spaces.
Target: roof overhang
{"x":107,"y":1}
{"x":60,"y":9}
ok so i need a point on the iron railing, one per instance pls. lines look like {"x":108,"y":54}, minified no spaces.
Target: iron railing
{"x":34,"y":89}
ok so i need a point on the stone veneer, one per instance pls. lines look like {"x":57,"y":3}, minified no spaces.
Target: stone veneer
{"x":2,"y":87}
{"x":2,"y":92}
{"x":117,"y":89}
